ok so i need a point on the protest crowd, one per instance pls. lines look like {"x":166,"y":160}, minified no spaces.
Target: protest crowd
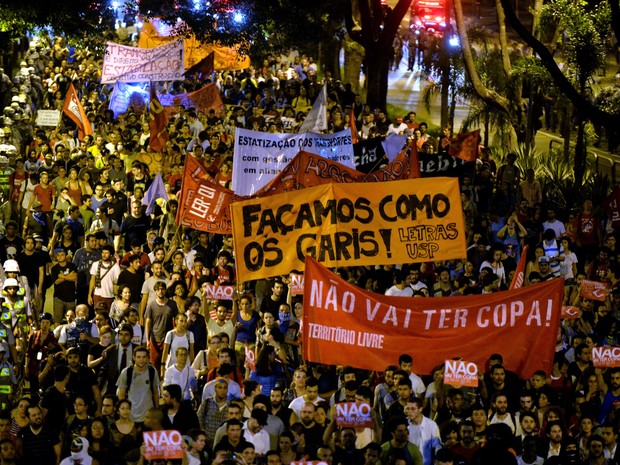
{"x":112,"y":325}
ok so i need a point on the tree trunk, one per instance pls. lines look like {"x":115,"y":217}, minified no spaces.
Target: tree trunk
{"x":580,"y":153}
{"x":377,"y":69}
{"x":329,"y":56}
{"x":353,"y":57}
{"x":566,"y":131}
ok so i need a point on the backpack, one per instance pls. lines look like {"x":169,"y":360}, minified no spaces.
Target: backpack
{"x":151,"y":370}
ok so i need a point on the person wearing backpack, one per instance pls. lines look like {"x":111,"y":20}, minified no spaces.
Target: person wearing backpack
{"x":176,"y":338}
{"x":140,"y":384}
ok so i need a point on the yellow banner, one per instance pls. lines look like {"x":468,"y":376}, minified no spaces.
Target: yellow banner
{"x":354,"y":224}
{"x":154,"y":34}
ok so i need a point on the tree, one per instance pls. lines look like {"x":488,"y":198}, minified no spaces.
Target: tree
{"x":375,"y":32}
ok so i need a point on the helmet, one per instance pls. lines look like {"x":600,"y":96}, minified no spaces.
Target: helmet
{"x":15,"y":98}
{"x":11,"y":266}
{"x":11,"y":282}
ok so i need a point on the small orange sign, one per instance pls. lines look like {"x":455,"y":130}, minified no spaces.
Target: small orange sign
{"x":460,"y":373}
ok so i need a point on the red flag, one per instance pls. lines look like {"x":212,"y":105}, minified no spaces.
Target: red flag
{"x":414,"y":161}
{"x":157,"y":123}
{"x":354,"y":134}
{"x":74,"y":110}
{"x":465,"y":146}
{"x":203,"y":204}
{"x":204,"y":68}
{"x":517,"y":279}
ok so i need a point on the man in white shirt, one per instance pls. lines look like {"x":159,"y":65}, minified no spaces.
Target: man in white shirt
{"x":400,"y":288}
{"x":254,"y":432}
{"x":311,"y":395}
{"x":405,"y":362}
{"x":423,"y":432}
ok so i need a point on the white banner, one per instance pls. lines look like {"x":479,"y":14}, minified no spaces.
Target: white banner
{"x":133,"y":64}
{"x":260,"y":156}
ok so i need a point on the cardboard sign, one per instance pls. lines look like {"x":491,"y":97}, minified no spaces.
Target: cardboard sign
{"x":349,"y":224}
{"x":134,"y":64}
{"x":354,"y":415}
{"x":606,"y":357}
{"x":297,"y":284}
{"x":346,"y":325}
{"x":570,"y":312}
{"x":219,"y":292}
{"x":460,"y":373}
{"x":250,"y":358}
{"x":594,"y":290}
{"x":48,"y":118}
{"x":163,"y":445}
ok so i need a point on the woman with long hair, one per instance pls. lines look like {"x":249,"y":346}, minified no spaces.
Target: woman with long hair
{"x":121,"y":304}
{"x":175,"y":338}
{"x":266,"y":373}
{"x":125,"y":434}
{"x":100,"y":447}
{"x":74,"y":186}
{"x":297,"y":387}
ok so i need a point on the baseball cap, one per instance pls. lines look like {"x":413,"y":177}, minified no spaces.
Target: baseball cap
{"x":543,"y":259}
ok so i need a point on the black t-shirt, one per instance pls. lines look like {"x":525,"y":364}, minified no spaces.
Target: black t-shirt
{"x":10,"y":248}
{"x":56,"y":403}
{"x":134,"y":281}
{"x":29,"y":266}
{"x":81,"y":383}
{"x":65,"y":291}
{"x":135,"y":228}
{"x":38,"y":448}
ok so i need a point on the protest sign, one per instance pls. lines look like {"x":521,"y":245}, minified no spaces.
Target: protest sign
{"x":460,"y":373}
{"x":163,"y":445}
{"x":260,"y":156}
{"x":250,"y":358}
{"x":308,"y":170}
{"x":347,"y":325}
{"x":203,"y":204}
{"x":354,"y":415}
{"x":369,"y":154}
{"x":570,"y":312}
{"x":219,"y":292}
{"x":49,"y":118}
{"x":349,"y":225}
{"x":133,"y":64}
{"x":593,"y":290}
{"x":606,"y":357}
{"x":296,"y":286}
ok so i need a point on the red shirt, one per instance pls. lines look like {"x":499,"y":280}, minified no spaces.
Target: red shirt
{"x":45,"y":195}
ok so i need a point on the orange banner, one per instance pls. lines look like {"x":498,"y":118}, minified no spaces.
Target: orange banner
{"x":203,"y":204}
{"x":593,"y":290}
{"x":346,"y":325}
{"x":348,"y":224}
{"x":460,"y":373}
{"x":308,"y":169}
{"x":606,"y":357}
{"x":155,"y":33}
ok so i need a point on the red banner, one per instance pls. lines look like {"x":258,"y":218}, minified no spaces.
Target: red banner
{"x":250,"y":358}
{"x":517,"y":279}
{"x":157,"y":124}
{"x":593,"y":290}
{"x":465,"y":146}
{"x":203,"y":99}
{"x":606,"y":357}
{"x":308,"y":170}
{"x":163,"y":445}
{"x":346,"y":325}
{"x":203,"y":204}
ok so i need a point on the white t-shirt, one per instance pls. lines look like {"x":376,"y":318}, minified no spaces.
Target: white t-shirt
{"x":175,"y":341}
{"x":405,"y":292}
{"x":108,"y":278}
